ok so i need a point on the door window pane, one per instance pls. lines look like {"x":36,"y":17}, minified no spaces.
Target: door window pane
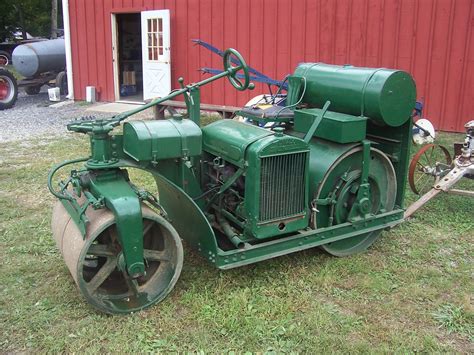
{"x":155,"y":38}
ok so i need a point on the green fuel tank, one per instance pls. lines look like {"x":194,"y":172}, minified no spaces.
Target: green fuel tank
{"x":383,"y":95}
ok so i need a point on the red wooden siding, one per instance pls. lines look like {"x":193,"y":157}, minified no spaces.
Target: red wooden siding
{"x":432,"y":39}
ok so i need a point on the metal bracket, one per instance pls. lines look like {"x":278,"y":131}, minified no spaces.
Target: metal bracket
{"x":122,"y":200}
{"x":147,"y":196}
{"x":361,"y":206}
{"x":316,"y":122}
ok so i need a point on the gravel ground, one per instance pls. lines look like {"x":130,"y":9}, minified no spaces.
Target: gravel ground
{"x":32,"y":116}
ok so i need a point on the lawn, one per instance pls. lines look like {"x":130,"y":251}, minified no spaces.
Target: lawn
{"x":411,"y":292}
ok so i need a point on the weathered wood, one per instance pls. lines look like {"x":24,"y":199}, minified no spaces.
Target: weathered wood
{"x":461,"y":192}
{"x":225,"y":111}
{"x":421,"y":202}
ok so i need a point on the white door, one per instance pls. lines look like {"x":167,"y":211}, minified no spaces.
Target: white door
{"x":156,"y":53}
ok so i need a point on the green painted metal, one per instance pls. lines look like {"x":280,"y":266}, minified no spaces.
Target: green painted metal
{"x":230,"y":139}
{"x":92,"y":259}
{"x":162,"y":139}
{"x":276,"y":186}
{"x":395,"y":143}
{"x":188,"y":219}
{"x":106,"y":182}
{"x":384,"y":95}
{"x":316,"y":122}
{"x":234,"y":80}
{"x":336,"y":127}
{"x":239,"y":193}
{"x":74,"y":208}
{"x":306,"y":239}
{"x":123,"y":201}
{"x":350,"y":190}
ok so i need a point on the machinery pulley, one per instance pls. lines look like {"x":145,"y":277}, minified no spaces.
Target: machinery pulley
{"x":341,"y":184}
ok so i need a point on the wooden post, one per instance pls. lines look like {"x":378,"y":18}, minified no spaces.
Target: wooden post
{"x":159,"y":112}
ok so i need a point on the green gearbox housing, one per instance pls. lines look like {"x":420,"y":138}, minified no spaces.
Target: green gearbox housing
{"x":330,"y":172}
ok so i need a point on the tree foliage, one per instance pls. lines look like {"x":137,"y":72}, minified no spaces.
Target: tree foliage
{"x":36,"y":16}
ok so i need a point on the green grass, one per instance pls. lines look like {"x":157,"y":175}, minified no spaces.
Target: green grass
{"x":455,"y":319}
{"x":411,"y":292}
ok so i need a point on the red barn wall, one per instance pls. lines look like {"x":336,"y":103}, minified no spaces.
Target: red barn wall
{"x":431,"y":39}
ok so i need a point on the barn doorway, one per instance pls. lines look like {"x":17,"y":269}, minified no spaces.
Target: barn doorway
{"x":128,"y":54}
{"x":141,"y":46}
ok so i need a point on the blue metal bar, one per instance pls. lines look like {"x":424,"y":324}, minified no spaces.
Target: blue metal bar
{"x":233,"y":60}
{"x":258,"y":79}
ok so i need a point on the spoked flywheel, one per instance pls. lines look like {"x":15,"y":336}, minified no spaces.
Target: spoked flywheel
{"x":97,"y":264}
{"x":428,"y":165}
{"x":341,"y":183}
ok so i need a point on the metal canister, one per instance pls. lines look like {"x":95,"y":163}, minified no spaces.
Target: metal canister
{"x":32,"y":59}
{"x":383,"y":95}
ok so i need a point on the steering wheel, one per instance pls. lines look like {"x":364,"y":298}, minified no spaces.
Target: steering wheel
{"x":234,"y":80}
{"x":94,"y":125}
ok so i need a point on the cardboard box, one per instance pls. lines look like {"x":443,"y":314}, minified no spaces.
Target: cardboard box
{"x":129,"y":78}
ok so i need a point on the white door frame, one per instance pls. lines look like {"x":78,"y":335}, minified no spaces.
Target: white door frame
{"x":115,"y":58}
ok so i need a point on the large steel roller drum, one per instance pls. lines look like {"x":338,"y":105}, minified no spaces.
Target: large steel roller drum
{"x":385,"y":96}
{"x":32,"y":59}
{"x":97,"y":265}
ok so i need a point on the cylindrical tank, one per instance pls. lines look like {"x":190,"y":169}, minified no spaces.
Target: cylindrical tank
{"x":32,"y":59}
{"x":384,"y":95}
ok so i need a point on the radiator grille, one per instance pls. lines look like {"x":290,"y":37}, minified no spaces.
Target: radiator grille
{"x":282,"y":186}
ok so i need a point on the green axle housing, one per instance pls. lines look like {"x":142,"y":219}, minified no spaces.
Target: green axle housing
{"x":330,"y":173}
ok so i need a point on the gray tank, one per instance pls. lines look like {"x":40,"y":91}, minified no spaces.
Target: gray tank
{"x":32,"y":59}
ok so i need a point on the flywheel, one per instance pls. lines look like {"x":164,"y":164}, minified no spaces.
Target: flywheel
{"x":341,"y":183}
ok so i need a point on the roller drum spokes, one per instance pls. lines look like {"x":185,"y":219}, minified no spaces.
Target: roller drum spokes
{"x":428,"y":165}
{"x":97,"y":264}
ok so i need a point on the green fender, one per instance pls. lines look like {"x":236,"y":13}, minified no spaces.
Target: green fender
{"x":186,"y":217}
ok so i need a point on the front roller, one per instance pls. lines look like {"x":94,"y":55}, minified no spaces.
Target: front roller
{"x":97,"y":264}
